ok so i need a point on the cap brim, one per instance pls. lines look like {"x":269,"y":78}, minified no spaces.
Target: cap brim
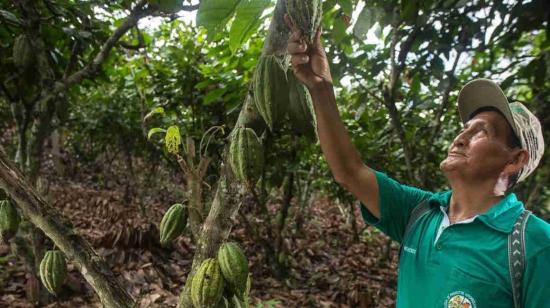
{"x":481,"y":93}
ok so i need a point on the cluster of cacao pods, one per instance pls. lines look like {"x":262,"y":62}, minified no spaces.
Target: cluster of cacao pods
{"x":9,"y":220}
{"x":53,"y":271}
{"x":173,"y":223}
{"x":223,"y":281}
{"x":306,"y":15}
{"x":277,"y":91}
{"x":246,"y":155}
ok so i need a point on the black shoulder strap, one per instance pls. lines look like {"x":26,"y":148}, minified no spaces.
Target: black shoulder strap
{"x":516,"y":256}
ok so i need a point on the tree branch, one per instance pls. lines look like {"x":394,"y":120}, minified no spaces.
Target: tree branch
{"x":96,"y":272}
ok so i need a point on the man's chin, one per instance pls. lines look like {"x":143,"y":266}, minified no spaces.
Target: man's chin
{"x":449,"y":165}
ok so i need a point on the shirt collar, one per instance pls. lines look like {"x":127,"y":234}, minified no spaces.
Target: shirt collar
{"x":500,"y":216}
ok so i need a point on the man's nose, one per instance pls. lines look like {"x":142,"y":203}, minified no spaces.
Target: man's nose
{"x":461,"y":140}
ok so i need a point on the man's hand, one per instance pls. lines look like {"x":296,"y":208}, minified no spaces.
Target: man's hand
{"x":309,"y":62}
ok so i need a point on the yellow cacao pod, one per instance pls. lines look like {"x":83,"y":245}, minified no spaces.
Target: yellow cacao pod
{"x":207,"y":285}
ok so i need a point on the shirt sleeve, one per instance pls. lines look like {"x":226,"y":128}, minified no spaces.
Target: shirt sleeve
{"x":396,"y":204}
{"x":536,"y":280}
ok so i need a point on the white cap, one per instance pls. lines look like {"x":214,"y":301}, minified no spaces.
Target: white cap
{"x":480,"y":93}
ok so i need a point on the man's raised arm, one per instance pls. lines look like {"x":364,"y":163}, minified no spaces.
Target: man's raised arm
{"x":311,"y":68}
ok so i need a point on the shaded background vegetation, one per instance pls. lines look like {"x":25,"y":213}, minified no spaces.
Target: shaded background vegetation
{"x":397,"y":67}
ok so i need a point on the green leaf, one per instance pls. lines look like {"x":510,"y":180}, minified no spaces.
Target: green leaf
{"x":172,"y":139}
{"x":214,"y":14}
{"x":214,"y":95}
{"x":347,"y":6}
{"x":155,"y":130}
{"x":9,"y":17}
{"x":364,"y":23}
{"x":247,"y":20}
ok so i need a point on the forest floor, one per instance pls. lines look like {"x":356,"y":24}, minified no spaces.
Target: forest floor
{"x":327,"y":267}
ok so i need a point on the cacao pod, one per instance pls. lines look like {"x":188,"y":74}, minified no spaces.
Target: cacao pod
{"x":207,"y":285}
{"x":22,"y":52}
{"x":234,"y":267}
{"x":306,"y":15}
{"x":9,"y":220}
{"x":270,"y":88}
{"x":246,"y":155}
{"x":300,"y":110}
{"x":173,"y":223}
{"x":53,"y":271}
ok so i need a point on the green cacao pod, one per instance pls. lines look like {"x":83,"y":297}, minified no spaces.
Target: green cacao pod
{"x":9,"y":220}
{"x":173,"y":223}
{"x":234,"y":267}
{"x":207,"y":285}
{"x":246,"y":155}
{"x":53,"y":271}
{"x":306,"y":15}
{"x":300,"y":109}
{"x":270,"y":90}
{"x":22,"y":52}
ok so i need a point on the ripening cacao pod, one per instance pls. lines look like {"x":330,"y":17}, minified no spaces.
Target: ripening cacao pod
{"x":270,"y":88}
{"x":234,"y":267}
{"x":22,"y":52}
{"x":246,"y":155}
{"x":53,"y":271}
{"x":9,"y":220}
{"x":207,"y":285}
{"x":300,"y":109}
{"x":306,"y":15}
{"x":173,"y":223}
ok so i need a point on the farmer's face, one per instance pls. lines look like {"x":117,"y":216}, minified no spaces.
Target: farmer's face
{"x":480,"y":150}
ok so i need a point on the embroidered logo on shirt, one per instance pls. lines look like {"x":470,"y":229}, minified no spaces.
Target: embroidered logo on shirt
{"x":409,"y":250}
{"x":459,"y":299}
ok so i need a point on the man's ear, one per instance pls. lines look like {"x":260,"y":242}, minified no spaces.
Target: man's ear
{"x":520,"y":158}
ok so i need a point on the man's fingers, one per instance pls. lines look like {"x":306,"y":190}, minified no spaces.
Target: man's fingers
{"x":295,"y":48}
{"x":317,"y":39}
{"x":296,"y":60}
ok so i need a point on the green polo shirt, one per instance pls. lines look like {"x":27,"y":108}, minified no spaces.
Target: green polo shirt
{"x":468,"y":264}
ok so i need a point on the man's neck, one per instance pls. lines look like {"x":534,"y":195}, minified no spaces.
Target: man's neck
{"x":469,"y":200}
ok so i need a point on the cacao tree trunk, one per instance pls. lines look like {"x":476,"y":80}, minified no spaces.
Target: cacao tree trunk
{"x":43,"y":216}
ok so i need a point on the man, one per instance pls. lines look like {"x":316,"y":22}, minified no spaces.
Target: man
{"x":456,"y":253}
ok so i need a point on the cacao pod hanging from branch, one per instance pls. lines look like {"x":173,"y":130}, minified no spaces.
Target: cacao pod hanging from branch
{"x":9,"y":220}
{"x":300,"y":110}
{"x":234,"y":268}
{"x":207,"y":285}
{"x":306,"y":15}
{"x":270,"y":89}
{"x":173,"y":223}
{"x":246,"y":155}
{"x":53,"y":271}
{"x":23,"y":56}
